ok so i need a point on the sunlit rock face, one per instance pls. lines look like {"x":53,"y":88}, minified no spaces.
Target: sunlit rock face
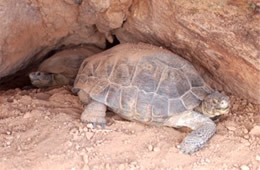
{"x":220,"y":38}
{"x":30,"y":29}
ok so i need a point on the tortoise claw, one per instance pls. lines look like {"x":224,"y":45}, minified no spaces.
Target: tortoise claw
{"x":103,"y":125}
{"x":96,"y":124}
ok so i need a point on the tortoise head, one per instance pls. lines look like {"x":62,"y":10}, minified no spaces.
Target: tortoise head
{"x":215,"y":105}
{"x":44,"y":79}
{"x":41,"y":79}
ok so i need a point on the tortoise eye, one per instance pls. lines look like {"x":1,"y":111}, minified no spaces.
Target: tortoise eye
{"x":223,"y":103}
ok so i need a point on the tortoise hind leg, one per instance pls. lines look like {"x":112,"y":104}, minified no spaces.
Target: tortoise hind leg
{"x":94,"y":112}
{"x":203,"y":129}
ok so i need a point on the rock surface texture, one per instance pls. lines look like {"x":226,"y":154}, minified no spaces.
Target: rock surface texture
{"x":220,"y":37}
{"x":30,"y":29}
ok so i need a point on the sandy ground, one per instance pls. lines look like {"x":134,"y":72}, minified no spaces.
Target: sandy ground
{"x":40,"y":129}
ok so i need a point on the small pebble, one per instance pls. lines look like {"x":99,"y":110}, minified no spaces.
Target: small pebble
{"x":235,"y":165}
{"x":70,"y":144}
{"x":245,"y":142}
{"x":156,"y":149}
{"x":27,"y":115}
{"x":207,"y":160}
{"x":85,"y":158}
{"x":245,"y":131}
{"x":257,"y":157}
{"x":255,"y":131}
{"x":42,"y":96}
{"x":9,"y":137}
{"x":74,"y":131}
{"x":95,"y":167}
{"x":231,"y":128}
{"x":26,"y":98}
{"x":75,"y":134}
{"x":89,"y":135}
{"x":77,"y":147}
{"x":10,"y":100}
{"x":89,"y":149}
{"x":121,"y":167}
{"x":85,"y":129}
{"x":90,"y":126}
{"x":150,"y":147}
{"x":246,"y":136}
{"x":244,"y":167}
{"x":80,"y":129}
{"x":133,"y":165}
{"x":48,"y":113}
{"x":107,"y":166}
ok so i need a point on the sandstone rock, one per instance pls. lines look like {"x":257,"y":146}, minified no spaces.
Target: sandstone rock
{"x":221,"y":38}
{"x":30,"y":29}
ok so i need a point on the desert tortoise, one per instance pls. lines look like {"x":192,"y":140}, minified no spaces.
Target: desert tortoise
{"x":61,"y":68}
{"x":149,"y":84}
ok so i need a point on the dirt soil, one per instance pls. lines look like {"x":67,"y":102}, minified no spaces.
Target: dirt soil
{"x":41,"y":129}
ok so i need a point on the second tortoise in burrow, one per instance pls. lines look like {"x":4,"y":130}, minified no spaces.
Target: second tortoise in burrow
{"x":61,"y":68}
{"x":152,"y":85}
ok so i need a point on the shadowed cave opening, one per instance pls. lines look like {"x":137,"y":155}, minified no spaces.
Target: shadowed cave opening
{"x":21,"y":79}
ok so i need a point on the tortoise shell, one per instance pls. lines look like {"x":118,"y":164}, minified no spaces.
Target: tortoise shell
{"x":67,"y":62}
{"x":142,"y":82}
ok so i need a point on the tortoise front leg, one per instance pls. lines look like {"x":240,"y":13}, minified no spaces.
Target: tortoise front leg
{"x":203,"y":129}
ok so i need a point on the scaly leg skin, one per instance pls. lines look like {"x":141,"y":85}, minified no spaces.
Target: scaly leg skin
{"x":83,"y":96}
{"x":203,"y":129}
{"x":94,"y":113}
